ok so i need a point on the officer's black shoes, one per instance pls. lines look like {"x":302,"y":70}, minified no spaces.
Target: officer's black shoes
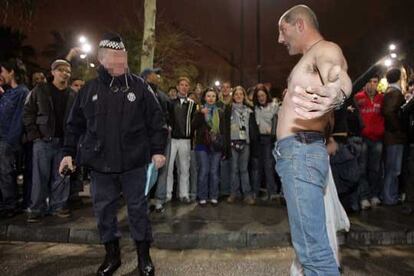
{"x":145,"y":266}
{"x":112,"y":259}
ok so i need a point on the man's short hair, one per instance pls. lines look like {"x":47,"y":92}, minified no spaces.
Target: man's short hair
{"x":300,"y":11}
{"x":374,"y":76}
{"x":58,"y":62}
{"x":393,"y":75}
{"x":180,"y":79}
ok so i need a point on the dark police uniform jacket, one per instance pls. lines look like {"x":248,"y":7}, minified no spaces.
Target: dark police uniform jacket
{"x":118,"y":123}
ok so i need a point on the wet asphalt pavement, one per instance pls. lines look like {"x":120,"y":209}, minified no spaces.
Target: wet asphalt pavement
{"x":32,"y":259}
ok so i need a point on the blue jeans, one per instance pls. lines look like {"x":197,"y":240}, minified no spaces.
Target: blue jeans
{"x":370,"y":184}
{"x":193,"y":175}
{"x":208,"y":174}
{"x":47,"y":182}
{"x":240,"y":172}
{"x":302,"y":163}
{"x":8,"y":185}
{"x":161,"y":187}
{"x":225,"y":175}
{"x":393,"y":163}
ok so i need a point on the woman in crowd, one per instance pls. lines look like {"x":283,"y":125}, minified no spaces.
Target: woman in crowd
{"x":241,"y":131}
{"x":208,"y":125}
{"x":265,"y":111}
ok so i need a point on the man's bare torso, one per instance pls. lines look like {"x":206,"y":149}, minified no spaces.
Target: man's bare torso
{"x":304,"y":74}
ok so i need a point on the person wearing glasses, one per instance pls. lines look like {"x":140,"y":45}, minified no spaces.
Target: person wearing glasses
{"x":44,"y":114}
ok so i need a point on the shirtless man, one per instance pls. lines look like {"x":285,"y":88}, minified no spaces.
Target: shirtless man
{"x":316,"y":86}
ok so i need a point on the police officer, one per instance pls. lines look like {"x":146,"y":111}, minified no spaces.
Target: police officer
{"x":122,"y":129}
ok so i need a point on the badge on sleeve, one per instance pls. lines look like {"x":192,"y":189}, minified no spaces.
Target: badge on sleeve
{"x":131,"y":97}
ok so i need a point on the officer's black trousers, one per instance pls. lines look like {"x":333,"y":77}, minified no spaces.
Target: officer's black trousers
{"x":106,"y":189}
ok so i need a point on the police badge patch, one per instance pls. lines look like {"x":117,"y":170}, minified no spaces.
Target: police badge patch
{"x":131,"y":97}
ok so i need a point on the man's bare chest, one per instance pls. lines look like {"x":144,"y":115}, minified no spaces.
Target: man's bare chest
{"x":305,"y":74}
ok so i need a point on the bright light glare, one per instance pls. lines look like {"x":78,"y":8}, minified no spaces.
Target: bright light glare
{"x":86,"y":48}
{"x":217,"y":83}
{"x":92,"y":65}
{"x":82,"y":39}
{"x":392,"y":47}
{"x":82,"y":56}
{"x":393,"y":55}
{"x":388,"y":62}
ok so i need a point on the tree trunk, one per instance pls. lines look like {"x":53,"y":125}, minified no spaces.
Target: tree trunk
{"x":148,"y":41}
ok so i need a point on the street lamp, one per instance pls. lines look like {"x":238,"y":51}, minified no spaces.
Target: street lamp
{"x":388,"y":62}
{"x":86,"y":47}
{"x":82,"y":39}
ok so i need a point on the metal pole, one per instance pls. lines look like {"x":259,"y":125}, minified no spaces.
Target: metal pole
{"x":241,"y":42}
{"x":258,"y":45}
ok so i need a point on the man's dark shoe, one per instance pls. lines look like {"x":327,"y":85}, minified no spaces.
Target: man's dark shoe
{"x":34,"y":217}
{"x":145,"y":265}
{"x":112,"y":259}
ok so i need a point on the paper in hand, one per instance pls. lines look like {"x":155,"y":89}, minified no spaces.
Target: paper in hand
{"x":152,"y":175}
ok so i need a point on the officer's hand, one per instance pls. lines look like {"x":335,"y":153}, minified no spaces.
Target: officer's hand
{"x":66,"y":162}
{"x":158,"y":160}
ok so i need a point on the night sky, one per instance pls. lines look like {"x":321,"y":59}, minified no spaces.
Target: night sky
{"x":362,"y":28}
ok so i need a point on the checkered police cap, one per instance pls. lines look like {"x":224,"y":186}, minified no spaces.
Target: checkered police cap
{"x":112,"y":41}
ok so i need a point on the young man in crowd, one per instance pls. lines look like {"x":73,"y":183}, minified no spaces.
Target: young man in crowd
{"x":370,"y":104}
{"x":181,"y":114}
{"x":44,"y":117}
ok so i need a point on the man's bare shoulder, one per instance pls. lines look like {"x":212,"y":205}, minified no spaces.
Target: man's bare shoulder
{"x":328,"y":48}
{"x":330,"y":52}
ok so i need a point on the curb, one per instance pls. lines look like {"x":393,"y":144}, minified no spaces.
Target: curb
{"x":166,"y":240}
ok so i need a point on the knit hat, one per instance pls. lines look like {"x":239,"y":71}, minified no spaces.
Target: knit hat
{"x":112,"y":41}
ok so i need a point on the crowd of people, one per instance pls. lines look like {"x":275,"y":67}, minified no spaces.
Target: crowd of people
{"x":209,"y":145}
{"x":219,"y":145}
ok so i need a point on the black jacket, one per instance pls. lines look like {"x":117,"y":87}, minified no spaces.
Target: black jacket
{"x":395,"y":128}
{"x":38,"y":114}
{"x":164,"y":101}
{"x":408,"y":116}
{"x":181,"y":116}
{"x":202,"y":134}
{"x":119,"y":130}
